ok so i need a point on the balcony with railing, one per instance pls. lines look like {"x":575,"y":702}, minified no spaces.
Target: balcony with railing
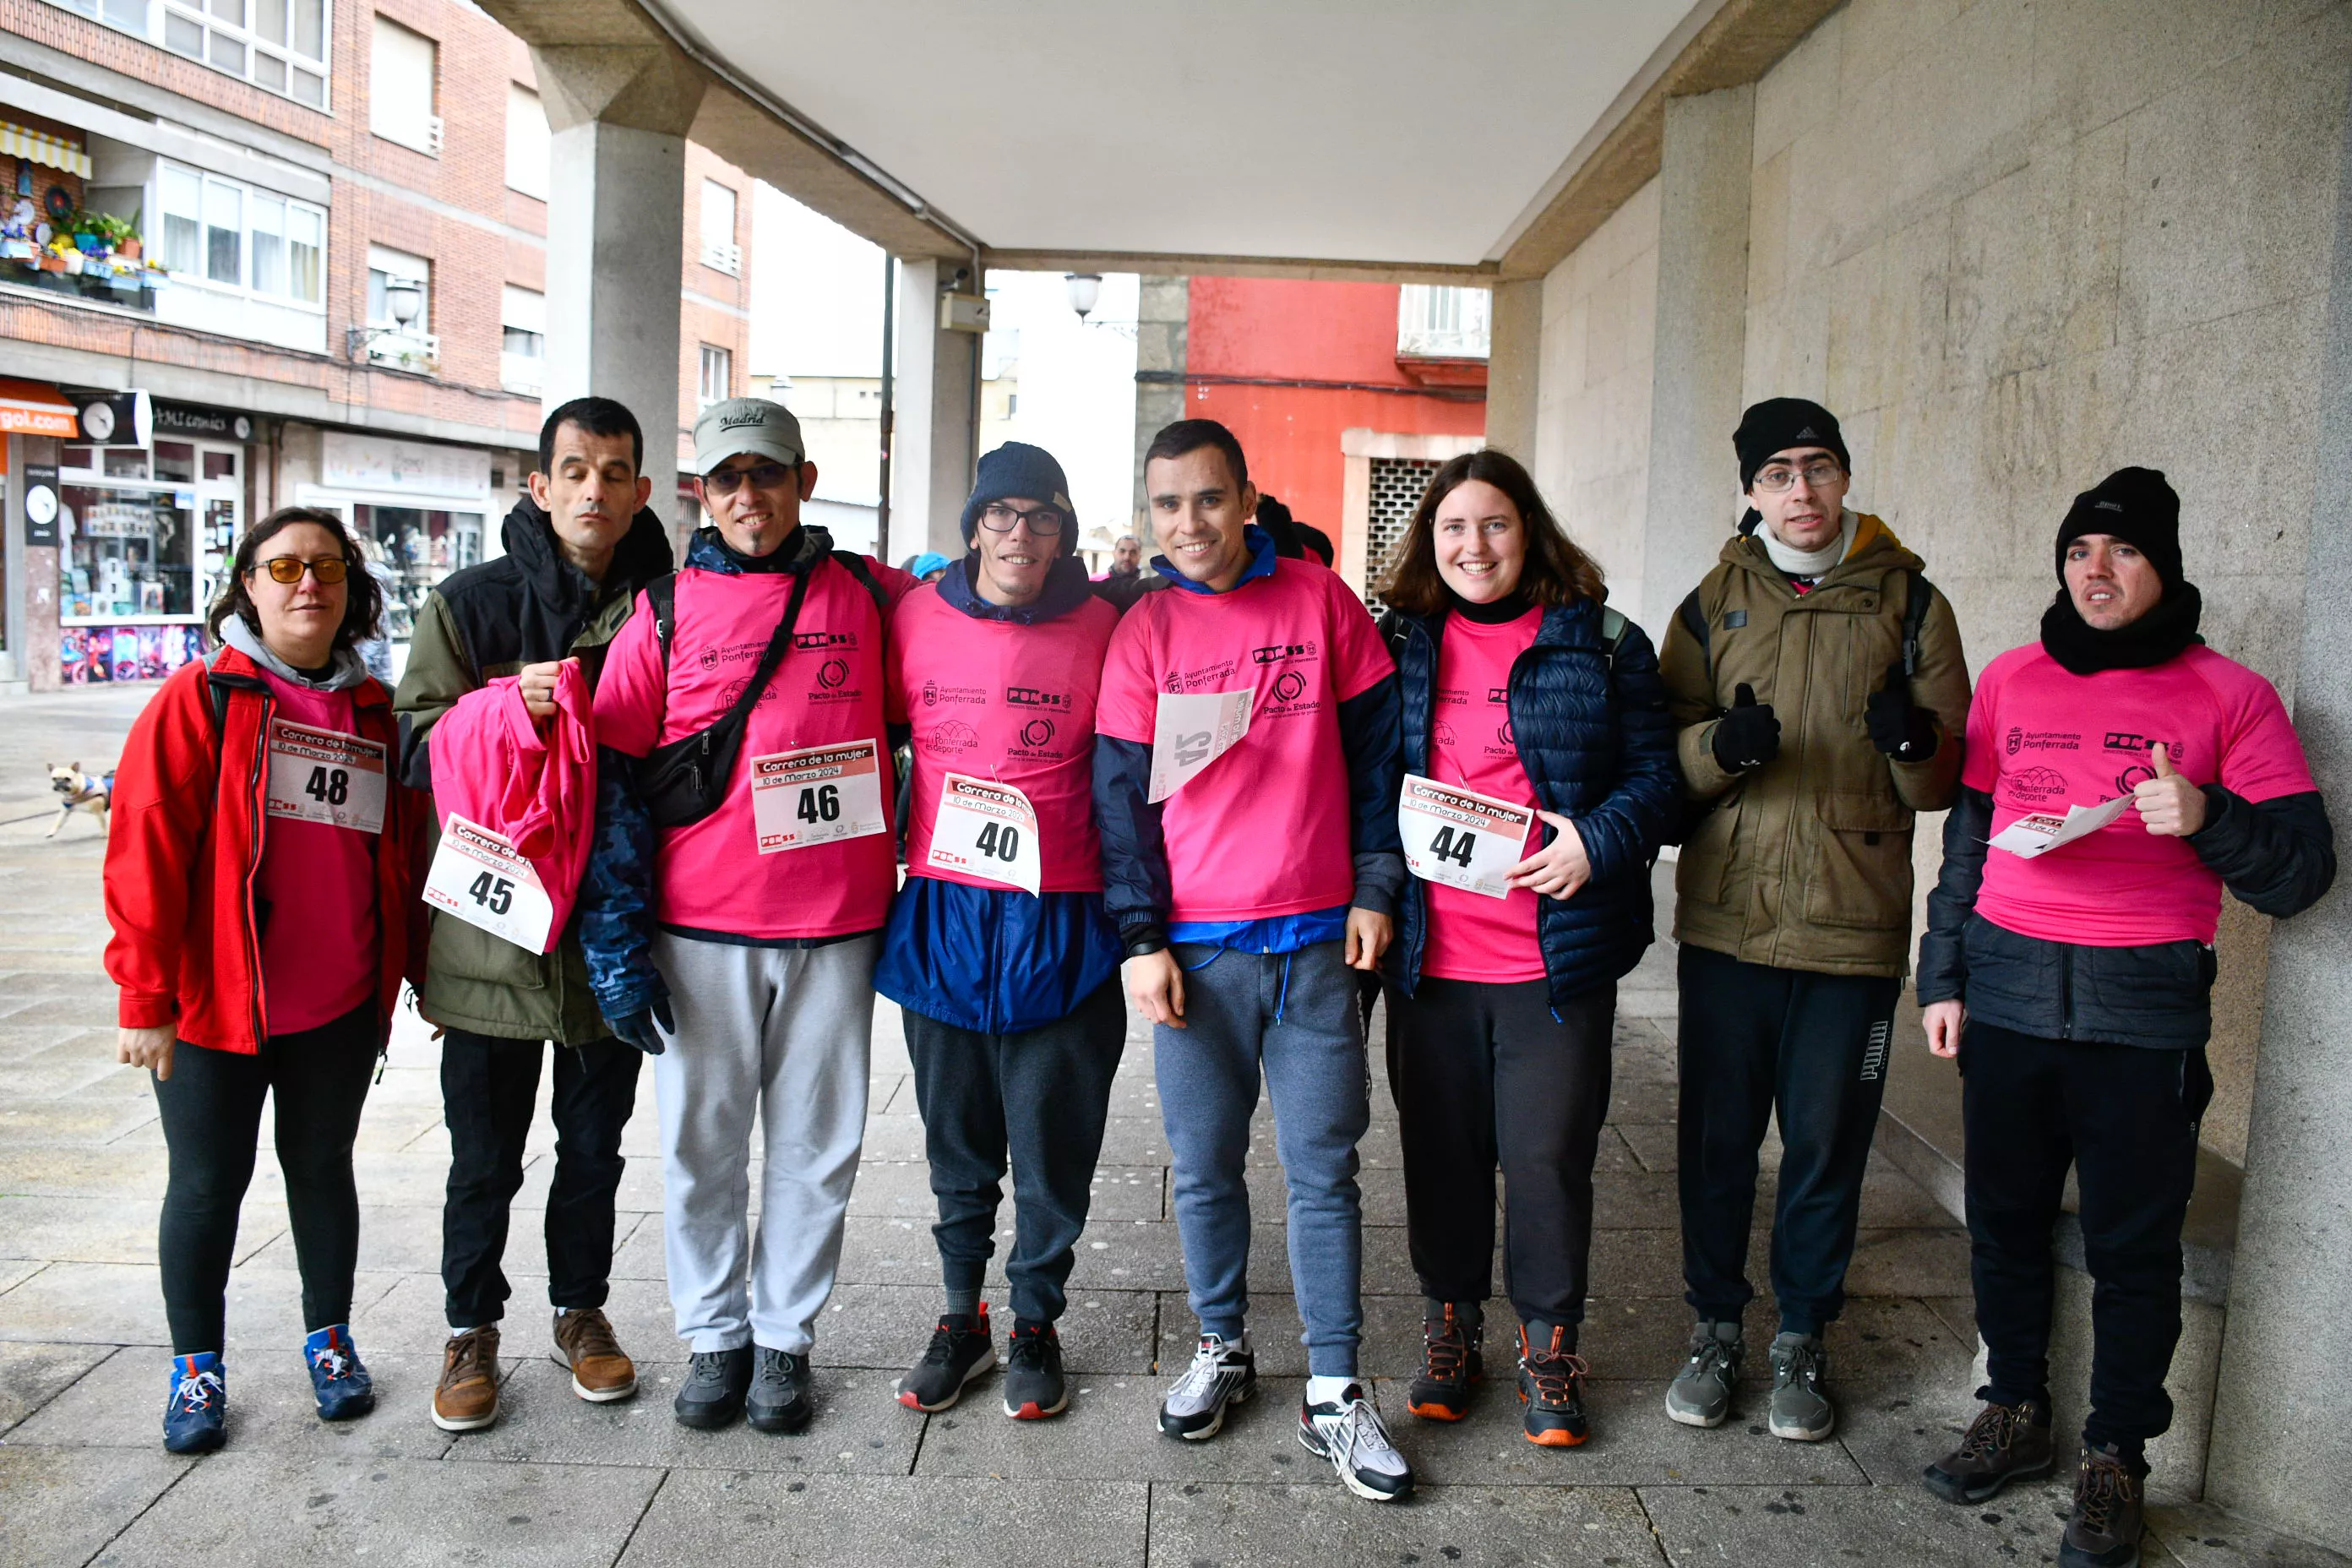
{"x":1443,"y":334}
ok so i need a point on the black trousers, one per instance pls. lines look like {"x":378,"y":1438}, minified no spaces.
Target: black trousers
{"x":210,"y":1110}
{"x":2126,"y":1118}
{"x":1038,"y":1101}
{"x":1756,"y":1041}
{"x":488,"y":1088}
{"x":1485,"y":1075}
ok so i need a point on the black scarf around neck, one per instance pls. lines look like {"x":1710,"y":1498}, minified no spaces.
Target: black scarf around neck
{"x":2165,"y":632}
{"x":1508,"y":608}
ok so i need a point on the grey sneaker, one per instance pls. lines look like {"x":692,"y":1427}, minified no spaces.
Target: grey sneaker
{"x":1700,"y":1395}
{"x":1800,"y":1410}
{"x":780,"y":1398}
{"x":713,"y":1393}
{"x":1222,"y":1374}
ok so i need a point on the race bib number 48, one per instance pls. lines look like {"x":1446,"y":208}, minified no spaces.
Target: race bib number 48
{"x":479,"y":877}
{"x":1460,"y":838}
{"x":816,"y":796}
{"x":325,"y":776}
{"x":987,"y":829}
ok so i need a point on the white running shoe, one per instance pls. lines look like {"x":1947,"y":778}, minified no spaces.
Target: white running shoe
{"x":1350,"y":1435}
{"x":1222,"y":1374}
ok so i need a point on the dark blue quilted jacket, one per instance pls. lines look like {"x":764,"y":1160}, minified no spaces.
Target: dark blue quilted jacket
{"x":1596,"y":742}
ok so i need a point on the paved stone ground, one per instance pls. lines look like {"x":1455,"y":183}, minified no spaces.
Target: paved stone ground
{"x":82,"y":1349}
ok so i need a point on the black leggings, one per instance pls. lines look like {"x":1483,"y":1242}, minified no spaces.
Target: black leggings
{"x":210,"y":1108}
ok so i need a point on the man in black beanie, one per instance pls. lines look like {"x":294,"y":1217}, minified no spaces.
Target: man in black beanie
{"x":2072,"y":977}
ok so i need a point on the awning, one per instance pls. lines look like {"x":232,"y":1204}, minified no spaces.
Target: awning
{"x":43,"y":148}
{"x":33,"y":408}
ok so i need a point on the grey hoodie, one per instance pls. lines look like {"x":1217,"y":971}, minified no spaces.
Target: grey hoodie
{"x":345,"y":671}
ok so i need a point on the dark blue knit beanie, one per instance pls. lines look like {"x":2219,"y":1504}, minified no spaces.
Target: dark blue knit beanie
{"x":1017,"y":469}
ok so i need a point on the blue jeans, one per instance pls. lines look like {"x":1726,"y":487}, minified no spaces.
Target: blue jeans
{"x":1295,"y":1016}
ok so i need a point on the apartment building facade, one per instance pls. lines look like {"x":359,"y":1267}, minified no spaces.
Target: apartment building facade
{"x":258,"y":253}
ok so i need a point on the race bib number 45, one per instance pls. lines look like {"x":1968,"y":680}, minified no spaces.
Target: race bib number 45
{"x":816,"y":796}
{"x":1191,"y":729}
{"x":325,"y":776}
{"x":1460,"y":838}
{"x":479,"y":877}
{"x":987,"y":829}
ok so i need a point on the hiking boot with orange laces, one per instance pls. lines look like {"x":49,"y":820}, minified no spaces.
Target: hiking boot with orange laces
{"x":1551,"y":1387}
{"x":1451,"y":1361}
{"x":2105,"y":1528}
{"x":2005,"y":1443}
{"x":584,"y":1342}
{"x":467,"y":1397}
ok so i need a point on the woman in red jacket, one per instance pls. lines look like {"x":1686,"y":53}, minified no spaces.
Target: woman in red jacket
{"x":261,"y":881}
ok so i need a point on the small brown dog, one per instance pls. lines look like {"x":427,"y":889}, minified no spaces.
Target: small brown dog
{"x":77,"y":791}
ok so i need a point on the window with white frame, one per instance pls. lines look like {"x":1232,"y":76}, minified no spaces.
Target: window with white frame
{"x":522,"y":314}
{"x":387,"y":267}
{"x":1437,"y":322}
{"x":280,"y":44}
{"x":401,"y":70}
{"x":719,"y":247}
{"x":717,"y":376}
{"x":527,"y":141}
{"x":226,"y":235}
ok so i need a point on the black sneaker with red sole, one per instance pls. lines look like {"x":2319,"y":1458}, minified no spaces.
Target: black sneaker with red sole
{"x":961,"y":1350}
{"x":1035,"y":1387}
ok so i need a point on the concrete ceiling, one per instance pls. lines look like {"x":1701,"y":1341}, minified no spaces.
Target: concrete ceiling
{"x":1395,"y":131}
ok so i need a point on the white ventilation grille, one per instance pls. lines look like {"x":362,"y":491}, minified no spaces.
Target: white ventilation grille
{"x":1398,"y":484}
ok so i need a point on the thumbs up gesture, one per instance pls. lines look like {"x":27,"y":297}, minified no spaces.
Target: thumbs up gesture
{"x":1748,"y":736}
{"x":2169,"y":805}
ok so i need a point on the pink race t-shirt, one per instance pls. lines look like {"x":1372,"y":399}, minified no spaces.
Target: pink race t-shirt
{"x":1264,"y":830}
{"x":710,"y":875}
{"x":316,"y":890}
{"x":1470,"y":936}
{"x":993,"y":699}
{"x":2041,"y":739}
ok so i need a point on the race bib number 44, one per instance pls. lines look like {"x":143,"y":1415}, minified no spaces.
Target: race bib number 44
{"x":1191,"y":729}
{"x":480,"y":877}
{"x":987,"y":829}
{"x":325,"y":776}
{"x":816,"y":796}
{"x":1460,"y":838}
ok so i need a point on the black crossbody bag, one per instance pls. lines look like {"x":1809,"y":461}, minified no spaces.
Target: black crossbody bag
{"x":685,"y":781}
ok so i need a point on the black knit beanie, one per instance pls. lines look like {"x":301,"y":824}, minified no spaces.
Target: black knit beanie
{"x":1017,"y":469}
{"x":1778,"y":424}
{"x":2136,"y":506}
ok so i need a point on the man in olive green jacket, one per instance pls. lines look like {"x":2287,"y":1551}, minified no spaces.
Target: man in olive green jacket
{"x":1822,"y":697}
{"x":578,"y":549}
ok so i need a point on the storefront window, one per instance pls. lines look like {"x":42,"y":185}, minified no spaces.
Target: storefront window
{"x":420,"y":547}
{"x":129,"y":554}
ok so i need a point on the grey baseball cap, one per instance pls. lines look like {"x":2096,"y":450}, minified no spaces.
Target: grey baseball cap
{"x":751,"y":424}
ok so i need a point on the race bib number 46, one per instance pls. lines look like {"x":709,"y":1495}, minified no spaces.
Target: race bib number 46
{"x":479,"y":877}
{"x":816,"y":796}
{"x":325,"y":776}
{"x":1191,"y":729}
{"x":1460,"y":838}
{"x":987,"y":829}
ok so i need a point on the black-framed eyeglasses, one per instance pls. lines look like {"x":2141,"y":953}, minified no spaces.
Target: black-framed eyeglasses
{"x":1781,"y":476}
{"x":288,"y":569}
{"x":761,"y":476}
{"x":1044,"y":521}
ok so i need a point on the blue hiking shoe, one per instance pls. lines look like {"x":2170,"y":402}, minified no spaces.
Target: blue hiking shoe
{"x":345,"y":1390}
{"x":196,"y":1418}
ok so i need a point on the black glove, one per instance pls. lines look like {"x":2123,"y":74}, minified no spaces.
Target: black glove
{"x":1904,"y":732}
{"x":637,"y":1029}
{"x":1748,"y":736}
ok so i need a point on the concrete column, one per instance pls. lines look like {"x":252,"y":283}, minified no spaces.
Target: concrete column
{"x":1163,"y":317}
{"x":1514,"y":368}
{"x":616,"y":232}
{"x":938,"y":386}
{"x":1702,"y":338}
{"x":2281,"y":1444}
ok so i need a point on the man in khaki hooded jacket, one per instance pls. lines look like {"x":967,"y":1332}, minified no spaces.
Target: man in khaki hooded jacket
{"x":1820,"y":705}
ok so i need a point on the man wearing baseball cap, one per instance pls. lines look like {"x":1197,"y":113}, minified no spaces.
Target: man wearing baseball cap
{"x":999,"y":949}
{"x":734,"y":902}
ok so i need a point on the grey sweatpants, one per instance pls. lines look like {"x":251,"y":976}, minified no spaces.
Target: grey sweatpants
{"x":785,"y":1031}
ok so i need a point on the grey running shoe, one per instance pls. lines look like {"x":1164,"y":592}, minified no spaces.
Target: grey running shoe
{"x":1220,"y":1375}
{"x":1800,"y":1411}
{"x":1700,"y":1395}
{"x":780,"y":1398}
{"x":715,"y":1381}
{"x":1350,"y":1435}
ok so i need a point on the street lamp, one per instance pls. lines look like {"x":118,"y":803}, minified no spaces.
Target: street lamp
{"x":404,"y":298}
{"x":1084,"y":289}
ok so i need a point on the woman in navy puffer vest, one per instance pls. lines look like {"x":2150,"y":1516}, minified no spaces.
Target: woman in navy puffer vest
{"x":1517,"y":684}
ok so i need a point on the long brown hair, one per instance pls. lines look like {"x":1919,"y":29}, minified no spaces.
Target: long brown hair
{"x":363,"y":598}
{"x":1556,"y":573}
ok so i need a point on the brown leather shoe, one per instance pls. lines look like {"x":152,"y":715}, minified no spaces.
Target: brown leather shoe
{"x":467,"y":1397}
{"x":584,"y":1342}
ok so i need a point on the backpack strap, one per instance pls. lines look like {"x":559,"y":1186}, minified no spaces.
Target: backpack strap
{"x":1694,"y":616}
{"x":1612,"y":631}
{"x":661,"y":593}
{"x":864,"y":573}
{"x":1921,"y":596}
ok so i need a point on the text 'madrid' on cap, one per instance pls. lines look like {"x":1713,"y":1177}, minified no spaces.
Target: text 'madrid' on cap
{"x":740,"y":425}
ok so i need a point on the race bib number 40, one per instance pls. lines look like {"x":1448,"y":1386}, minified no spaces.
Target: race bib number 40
{"x":1191,"y":729}
{"x":479,"y":877}
{"x":1460,"y":838}
{"x":325,"y":776}
{"x":816,"y":796}
{"x":987,"y":829}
